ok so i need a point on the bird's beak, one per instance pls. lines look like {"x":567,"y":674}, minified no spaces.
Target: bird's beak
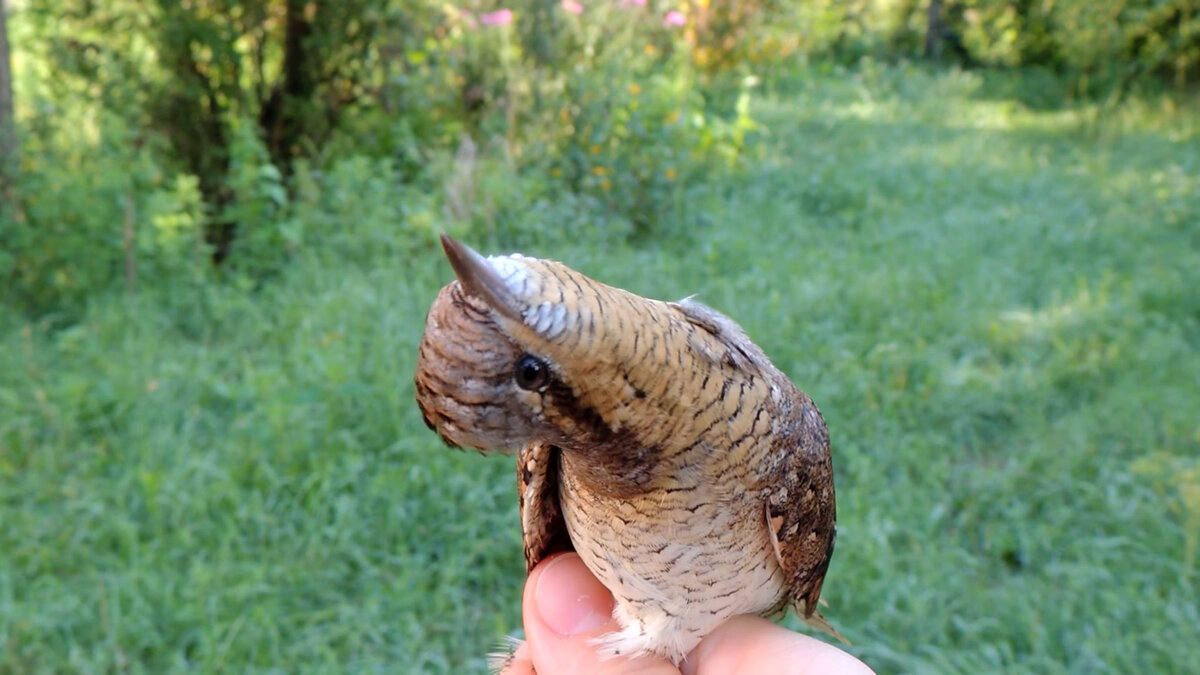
{"x":480,"y":279}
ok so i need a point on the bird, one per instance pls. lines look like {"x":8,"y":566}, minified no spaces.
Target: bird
{"x":653,"y":438}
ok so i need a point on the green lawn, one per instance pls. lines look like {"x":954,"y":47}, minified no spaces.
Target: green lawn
{"x":997,"y":308}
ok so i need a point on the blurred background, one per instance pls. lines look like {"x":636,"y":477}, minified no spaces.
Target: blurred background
{"x":970,"y":230}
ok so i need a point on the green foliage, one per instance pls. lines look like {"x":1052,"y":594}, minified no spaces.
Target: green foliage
{"x":602,"y":126}
{"x":257,"y":206}
{"x":69,"y":240}
{"x":607,"y":122}
{"x":1108,"y":40}
{"x":1101,"y":46}
{"x":337,"y":214}
{"x":603,"y":112}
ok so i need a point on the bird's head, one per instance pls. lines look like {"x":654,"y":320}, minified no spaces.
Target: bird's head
{"x":517,"y":349}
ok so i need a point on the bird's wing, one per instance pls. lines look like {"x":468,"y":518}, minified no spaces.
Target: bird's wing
{"x":797,"y":469}
{"x":799,"y":509}
{"x":542,"y":526}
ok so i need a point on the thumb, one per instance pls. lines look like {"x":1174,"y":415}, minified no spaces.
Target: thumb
{"x":564,"y":608}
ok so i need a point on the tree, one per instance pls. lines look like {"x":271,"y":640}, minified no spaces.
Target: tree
{"x":933,"y":30}
{"x":8,"y":132}
{"x":191,"y":73}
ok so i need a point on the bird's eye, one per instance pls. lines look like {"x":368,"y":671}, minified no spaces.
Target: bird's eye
{"x":532,"y":373}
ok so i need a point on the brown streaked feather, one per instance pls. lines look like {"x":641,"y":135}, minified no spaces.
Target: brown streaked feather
{"x":740,"y":352}
{"x":800,"y":510}
{"x":543,"y":530}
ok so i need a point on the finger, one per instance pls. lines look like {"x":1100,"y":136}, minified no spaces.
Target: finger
{"x":750,"y":644}
{"x":564,"y":607}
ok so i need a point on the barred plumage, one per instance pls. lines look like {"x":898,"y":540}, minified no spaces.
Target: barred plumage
{"x":654,"y":438}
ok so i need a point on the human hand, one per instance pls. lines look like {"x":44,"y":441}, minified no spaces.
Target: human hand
{"x":565,"y":606}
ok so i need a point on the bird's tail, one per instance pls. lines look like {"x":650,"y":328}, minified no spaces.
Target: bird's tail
{"x":815,"y":620}
{"x":497,"y":661}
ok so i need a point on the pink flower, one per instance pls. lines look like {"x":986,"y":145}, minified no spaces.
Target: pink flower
{"x":500,"y":17}
{"x":629,"y":3}
{"x":572,"y":6}
{"x":674,"y":18}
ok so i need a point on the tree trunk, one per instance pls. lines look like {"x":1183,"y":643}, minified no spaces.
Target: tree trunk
{"x":8,"y":131}
{"x":283,"y":115}
{"x":933,"y":30}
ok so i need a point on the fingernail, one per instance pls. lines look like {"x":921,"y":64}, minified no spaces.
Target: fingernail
{"x":569,"y":599}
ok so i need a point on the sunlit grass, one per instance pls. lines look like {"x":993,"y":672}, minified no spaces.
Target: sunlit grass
{"x":995,"y":308}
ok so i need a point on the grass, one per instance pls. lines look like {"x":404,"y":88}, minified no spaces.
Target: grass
{"x":995,"y":307}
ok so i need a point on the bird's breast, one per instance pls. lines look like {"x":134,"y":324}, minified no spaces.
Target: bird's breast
{"x":678,"y":561}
